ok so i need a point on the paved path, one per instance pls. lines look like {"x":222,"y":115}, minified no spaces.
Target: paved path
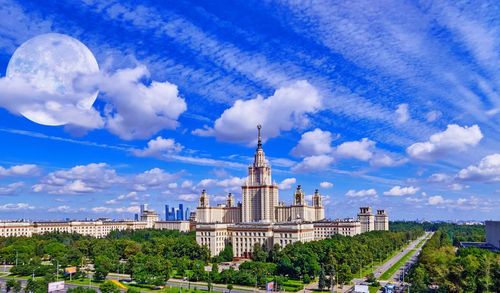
{"x":413,"y":259}
{"x":385,"y":266}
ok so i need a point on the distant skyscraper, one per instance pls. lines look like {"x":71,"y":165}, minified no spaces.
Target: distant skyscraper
{"x":143,"y":208}
{"x":136,"y":217}
{"x":167,"y":214}
{"x":172,"y":215}
{"x":186,"y":214}
{"x":180,"y":213}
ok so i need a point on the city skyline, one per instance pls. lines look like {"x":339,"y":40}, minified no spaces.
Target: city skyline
{"x":399,"y":112}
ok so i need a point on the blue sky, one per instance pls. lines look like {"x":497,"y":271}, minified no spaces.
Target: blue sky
{"x":392,"y":104}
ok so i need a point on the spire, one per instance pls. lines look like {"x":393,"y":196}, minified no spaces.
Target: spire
{"x":260,"y":159}
{"x":259,"y":138}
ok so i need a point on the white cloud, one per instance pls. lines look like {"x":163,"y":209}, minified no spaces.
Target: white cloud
{"x":435,"y":200}
{"x":361,"y":150}
{"x":457,"y":186}
{"x":20,"y":170}
{"x":400,"y":191}
{"x":79,"y":179}
{"x":380,"y":159}
{"x":232,"y":182}
{"x":439,"y":177}
{"x":454,"y":138}
{"x":488,"y":170}
{"x":326,"y":184}
{"x":108,"y":210}
{"x":463,"y":203}
{"x":135,"y":110}
{"x":131,"y":196}
{"x":312,"y":143}
{"x":287,"y":109}
{"x":11,"y":188}
{"x":154,"y":178}
{"x":433,"y":116}
{"x":159,"y":146}
{"x":287,"y":183}
{"x":229,"y":184}
{"x":65,"y":209}
{"x":188,"y":197}
{"x":19,"y":96}
{"x":281,"y":162}
{"x":313,"y":163}
{"x":207,"y":182}
{"x":187,"y":184}
{"x":402,"y":113}
{"x":361,"y":193}
{"x":15,"y":207}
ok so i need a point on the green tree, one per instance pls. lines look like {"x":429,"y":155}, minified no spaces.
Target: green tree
{"x":109,"y":287}
{"x":13,"y":285}
{"x":322,"y":279}
{"x":214,"y":273}
{"x":258,"y":253}
{"x":229,"y":287}
{"x":102,"y":267}
{"x":150,"y":269}
{"x":344,"y":274}
{"x":419,"y":279}
{"x":226,"y":254}
{"x":36,"y":286}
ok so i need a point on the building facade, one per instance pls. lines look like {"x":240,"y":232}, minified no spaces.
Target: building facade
{"x":366,"y":219}
{"x":493,"y":233}
{"x":381,"y":220}
{"x":261,"y":219}
{"x":95,"y":228}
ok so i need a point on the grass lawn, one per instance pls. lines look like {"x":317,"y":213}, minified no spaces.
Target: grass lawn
{"x":83,"y":282}
{"x":21,"y":277}
{"x":168,"y":290}
{"x":373,"y":289}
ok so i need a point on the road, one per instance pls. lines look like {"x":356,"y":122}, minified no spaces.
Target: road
{"x":385,"y":266}
{"x":172,"y":283}
{"x":397,"y":277}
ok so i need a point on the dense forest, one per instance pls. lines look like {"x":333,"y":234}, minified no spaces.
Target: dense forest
{"x":153,"y":256}
{"x":444,"y":267}
{"x":458,"y":233}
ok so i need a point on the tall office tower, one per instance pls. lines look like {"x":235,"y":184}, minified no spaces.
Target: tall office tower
{"x":172,"y":214}
{"x":366,"y":218}
{"x":178,"y":215}
{"x":181,"y":212}
{"x":186,"y":214}
{"x":136,"y":217}
{"x":143,"y":207}
{"x":167,"y":214}
{"x":260,"y":194}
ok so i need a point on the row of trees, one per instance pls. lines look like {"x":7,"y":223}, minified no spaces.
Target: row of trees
{"x":152,"y":256}
{"x":458,"y":233}
{"x":40,"y":286}
{"x":447,"y":268}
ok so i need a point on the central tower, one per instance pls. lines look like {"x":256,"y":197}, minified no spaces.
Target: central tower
{"x":260,"y":194}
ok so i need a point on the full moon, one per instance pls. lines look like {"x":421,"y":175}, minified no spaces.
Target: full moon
{"x":50,"y":63}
